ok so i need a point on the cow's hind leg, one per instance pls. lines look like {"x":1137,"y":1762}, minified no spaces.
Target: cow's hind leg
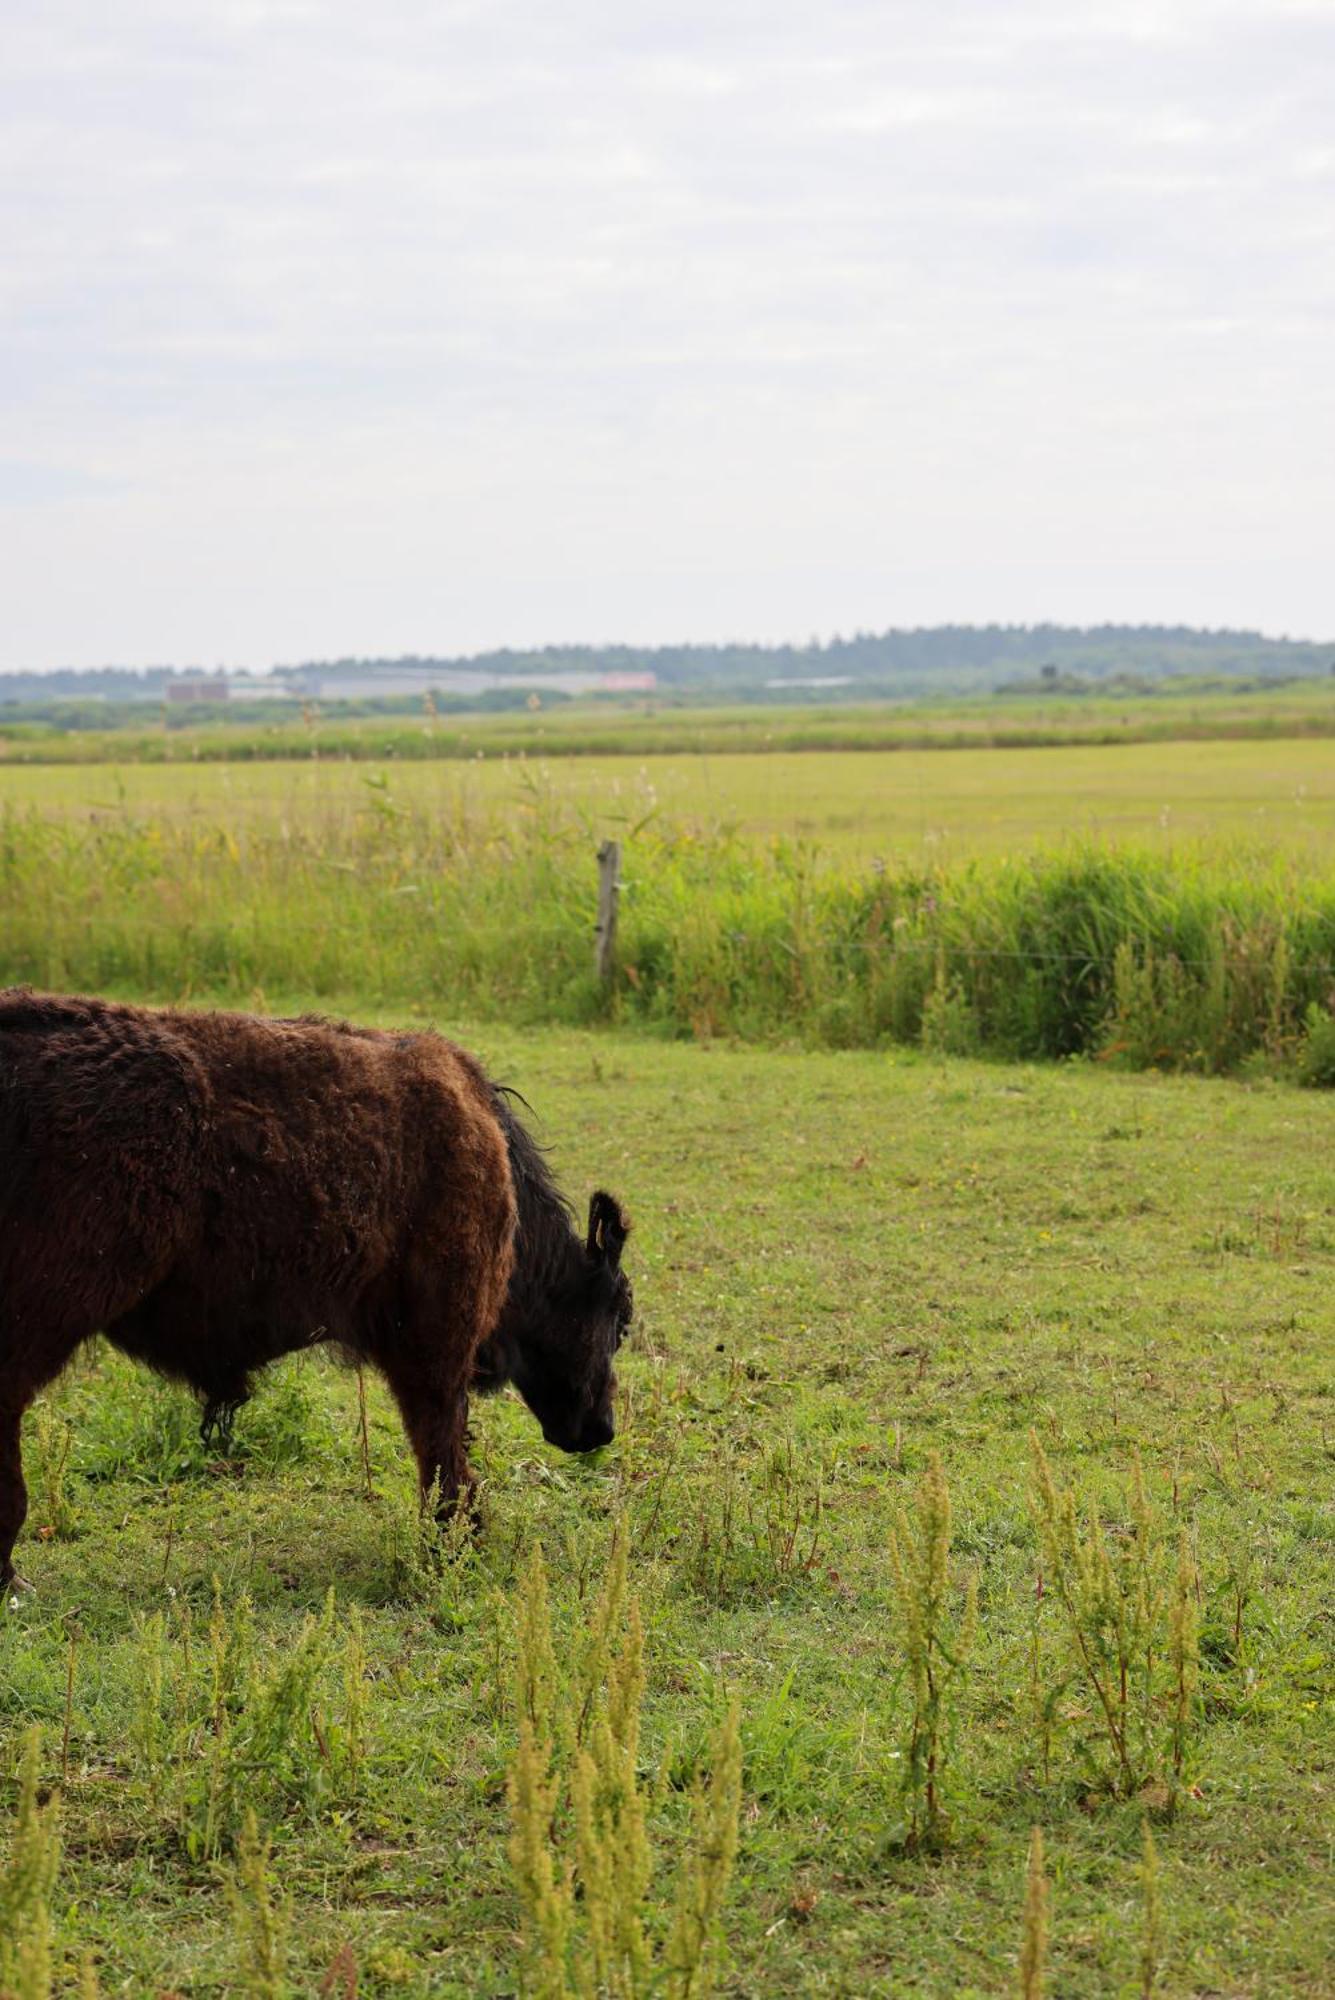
{"x":27,"y":1365}
{"x":13,"y":1492}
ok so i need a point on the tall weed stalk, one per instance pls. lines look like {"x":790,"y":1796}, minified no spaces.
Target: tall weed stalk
{"x":27,"y":1883}
{"x":579,"y":1845}
{"x":936,"y":1635}
{"x":1128,"y":1602}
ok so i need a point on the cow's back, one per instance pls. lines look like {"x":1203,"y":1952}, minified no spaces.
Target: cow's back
{"x":100,"y":1119}
{"x":339,"y":1159}
{"x":213,"y":1189}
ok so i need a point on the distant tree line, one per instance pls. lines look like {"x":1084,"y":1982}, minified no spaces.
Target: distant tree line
{"x":939,"y":659}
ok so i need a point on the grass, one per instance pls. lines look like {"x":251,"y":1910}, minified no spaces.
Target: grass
{"x":927,"y":808}
{"x":1204,"y":957}
{"x":847,"y":1265}
{"x":1180,"y":711}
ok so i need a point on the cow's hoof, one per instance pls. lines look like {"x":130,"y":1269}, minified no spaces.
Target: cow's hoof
{"x":18,"y":1587}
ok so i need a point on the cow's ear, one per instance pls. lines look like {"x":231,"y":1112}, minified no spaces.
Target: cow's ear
{"x":609,"y":1226}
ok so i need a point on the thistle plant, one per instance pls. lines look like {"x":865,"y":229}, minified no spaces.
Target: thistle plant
{"x":936,"y":1642}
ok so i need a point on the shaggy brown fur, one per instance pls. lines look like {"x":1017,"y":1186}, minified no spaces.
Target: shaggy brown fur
{"x":214,"y":1190}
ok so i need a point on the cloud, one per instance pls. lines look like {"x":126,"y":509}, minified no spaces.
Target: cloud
{"x":476,"y":323}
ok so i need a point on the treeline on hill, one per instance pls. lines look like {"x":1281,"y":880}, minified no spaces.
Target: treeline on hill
{"x":944,"y":659}
{"x":1121,"y":956}
{"x":938,"y":658}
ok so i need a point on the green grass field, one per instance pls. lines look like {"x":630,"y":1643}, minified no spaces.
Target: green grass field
{"x":912,"y":805}
{"x":850,"y":1262}
{"x":843,"y":1263}
{"x":1174,"y":710}
{"x":1139,"y":904}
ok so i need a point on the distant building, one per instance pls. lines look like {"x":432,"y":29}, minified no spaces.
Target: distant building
{"x":259,"y":687}
{"x":198,"y":687}
{"x":811,"y":681}
{"x":629,"y":683}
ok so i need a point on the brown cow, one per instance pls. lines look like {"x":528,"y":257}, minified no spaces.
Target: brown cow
{"x":214,"y":1190}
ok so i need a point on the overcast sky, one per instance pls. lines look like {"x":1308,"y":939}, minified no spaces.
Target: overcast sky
{"x":416,"y":326}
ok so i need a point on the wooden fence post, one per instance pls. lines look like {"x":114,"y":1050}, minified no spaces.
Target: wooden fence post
{"x":609,"y":893}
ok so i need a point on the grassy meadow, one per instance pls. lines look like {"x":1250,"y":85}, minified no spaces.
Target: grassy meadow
{"x":976,"y":1443}
{"x":926,"y":807}
{"x":844,"y":1263}
{"x":1143,"y":905}
{"x":1174,"y":710}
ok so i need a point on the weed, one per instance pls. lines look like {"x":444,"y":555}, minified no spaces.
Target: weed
{"x":936,"y":1640}
{"x":1184,"y":1658}
{"x":266,"y":1734}
{"x":356,"y":1701}
{"x":151,"y":1735}
{"x":949,"y":1023}
{"x":261,"y":1923}
{"x":707,"y":1869}
{"x":27,"y":1883}
{"x":53,"y":1438}
{"x":755,"y":1524}
{"x":1151,"y":1942}
{"x":1034,"y":1936}
{"x":1316,"y":1050}
{"x":1115,"y":1594}
{"x":574,"y":1782}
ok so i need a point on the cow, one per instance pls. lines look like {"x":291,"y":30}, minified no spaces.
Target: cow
{"x":212,"y":1190}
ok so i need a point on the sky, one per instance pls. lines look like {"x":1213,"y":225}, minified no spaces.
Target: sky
{"x":333,"y":329}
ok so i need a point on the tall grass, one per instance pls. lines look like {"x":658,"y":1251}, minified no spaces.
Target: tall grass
{"x":1197,"y":962}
